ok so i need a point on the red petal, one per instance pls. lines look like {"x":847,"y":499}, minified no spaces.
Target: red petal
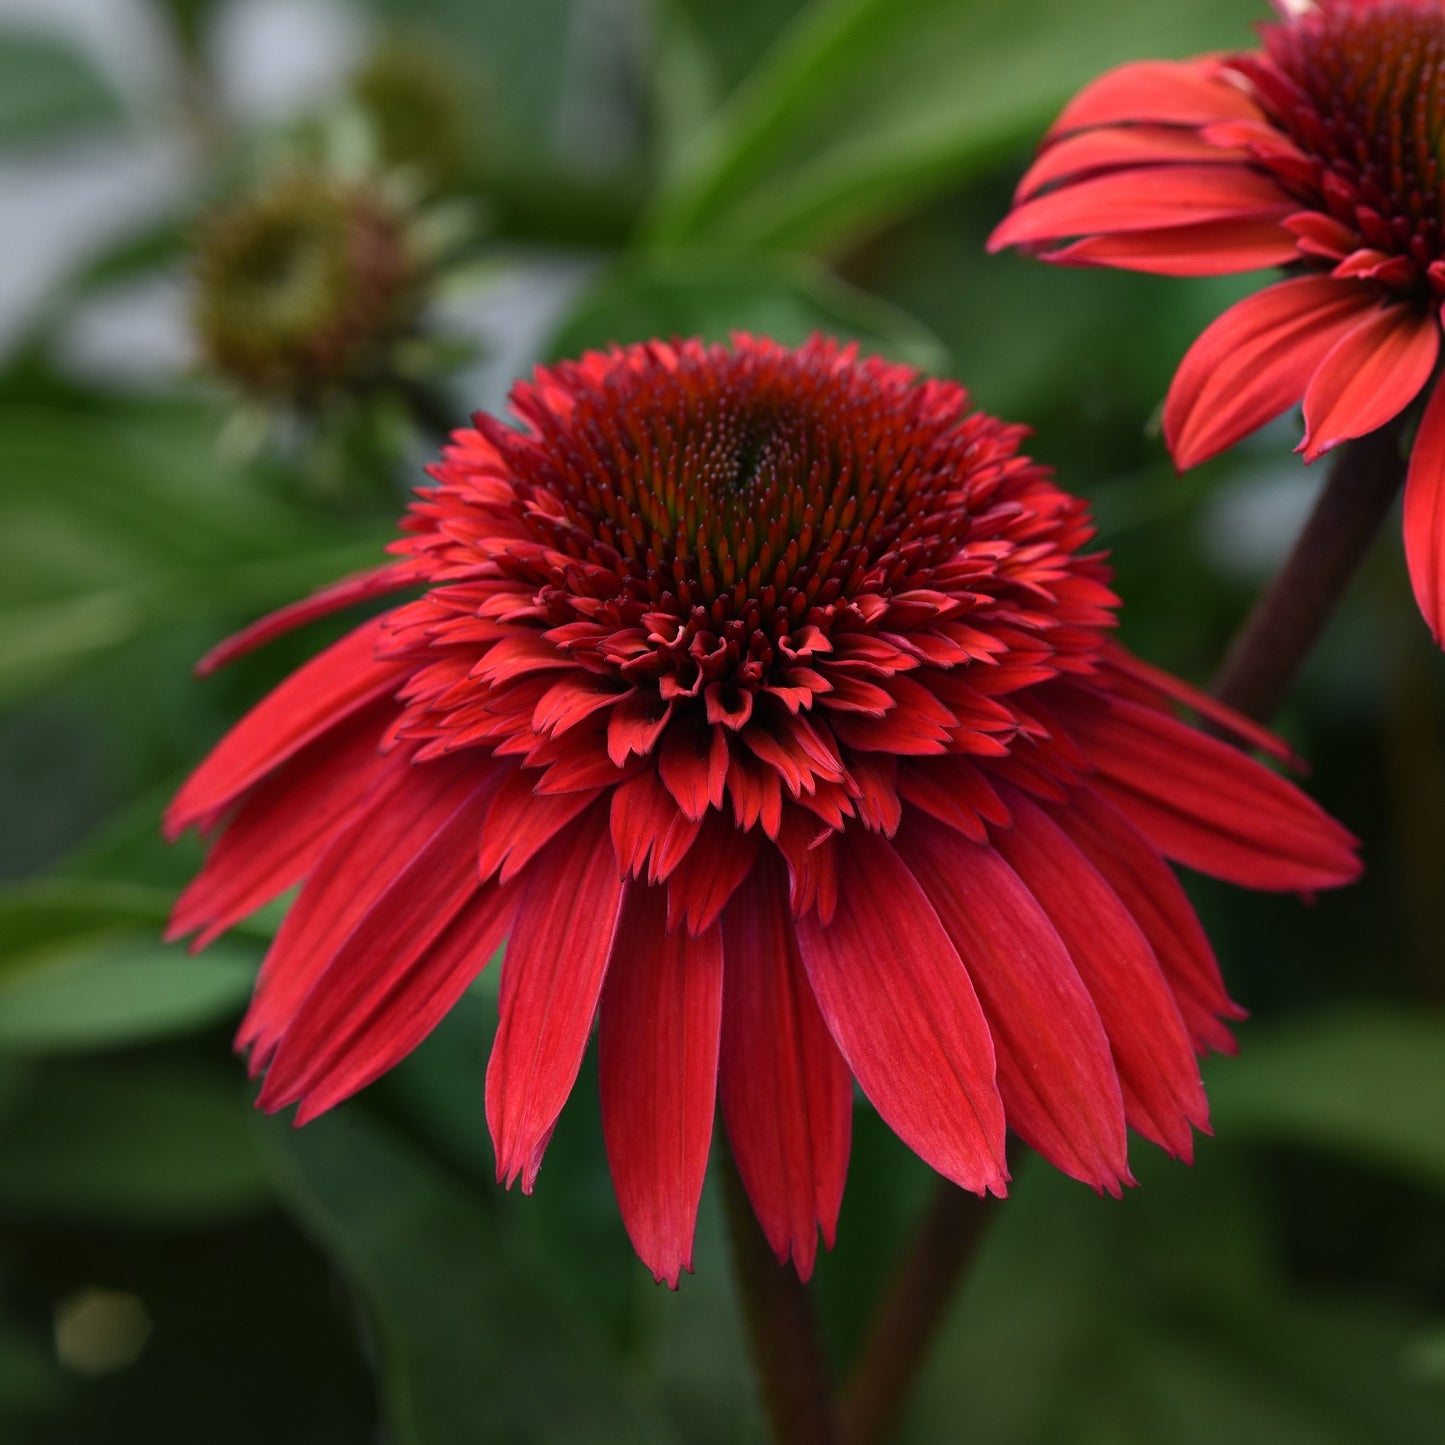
{"x":1255,"y":361}
{"x":900,"y":1007}
{"x":1207,"y":248}
{"x":551,"y":979}
{"x":1370,"y":375}
{"x":1163,"y":1094}
{"x":360,"y":587}
{"x":283,"y":827}
{"x":342,"y":1035}
{"x":657,"y":1058}
{"x":1124,"y":147}
{"x":704,"y":879}
{"x":317,"y":696}
{"x":787,"y":1095}
{"x":1165,"y":92}
{"x":1145,"y":884}
{"x":1207,"y":805}
{"x":1143,"y":201}
{"x":1055,"y":1071}
{"x":521,"y":822}
{"x":1425,"y":515}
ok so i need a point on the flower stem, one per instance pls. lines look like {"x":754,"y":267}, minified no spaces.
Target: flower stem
{"x":1289,"y":615}
{"x":782,"y":1327}
{"x":903,"y":1327}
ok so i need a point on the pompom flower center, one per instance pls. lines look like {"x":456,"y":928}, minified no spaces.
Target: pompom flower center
{"x":754,"y":571}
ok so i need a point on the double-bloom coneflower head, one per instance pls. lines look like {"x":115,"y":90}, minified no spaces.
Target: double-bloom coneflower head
{"x":1323,"y":152}
{"x":763,"y":701}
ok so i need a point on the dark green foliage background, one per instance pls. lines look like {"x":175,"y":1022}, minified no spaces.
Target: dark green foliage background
{"x":791,"y":166}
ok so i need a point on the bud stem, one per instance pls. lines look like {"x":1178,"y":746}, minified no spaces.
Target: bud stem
{"x":1287,"y":618}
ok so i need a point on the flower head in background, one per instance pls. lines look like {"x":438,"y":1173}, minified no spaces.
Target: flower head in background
{"x":304,"y":286}
{"x":1322,"y":152}
{"x":764,"y":702}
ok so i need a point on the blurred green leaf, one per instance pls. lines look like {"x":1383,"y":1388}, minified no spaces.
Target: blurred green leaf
{"x":47,"y":87}
{"x":864,"y":107}
{"x":82,"y":967}
{"x":475,"y":1344}
{"x":117,"y":991}
{"x":115,"y":529}
{"x":787,"y":299}
{"x":147,"y":1141}
{"x":1369,"y":1086}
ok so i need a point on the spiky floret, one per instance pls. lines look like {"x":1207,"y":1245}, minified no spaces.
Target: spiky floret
{"x":1321,"y":152}
{"x":768,"y":665}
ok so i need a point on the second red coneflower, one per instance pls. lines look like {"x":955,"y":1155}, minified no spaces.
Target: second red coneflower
{"x":764,"y":702}
{"x":1319,"y":152}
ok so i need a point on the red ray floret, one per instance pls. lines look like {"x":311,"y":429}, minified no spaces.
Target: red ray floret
{"x":1320,"y":152}
{"x":765,"y":702}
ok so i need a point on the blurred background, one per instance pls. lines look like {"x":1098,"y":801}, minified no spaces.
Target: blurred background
{"x":256,"y":256}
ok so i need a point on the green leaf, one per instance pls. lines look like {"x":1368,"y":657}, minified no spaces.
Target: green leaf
{"x":116,"y":529}
{"x":46,"y":87}
{"x":82,"y":967}
{"x":476,"y":1342}
{"x":146,"y":1141}
{"x":863,"y":108}
{"x":1371,"y":1087}
{"x":712,"y":296}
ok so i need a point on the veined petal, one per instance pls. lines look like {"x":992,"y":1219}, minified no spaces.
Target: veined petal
{"x":901,"y":1008}
{"x":1207,"y":805}
{"x":1205,"y":248}
{"x":1425,"y":515}
{"x":1130,"y":201}
{"x":317,"y":696}
{"x":1163,"y":1094}
{"x":1055,"y":1070}
{"x":787,"y":1095}
{"x":1255,"y":361}
{"x":657,"y":1058}
{"x":551,"y":979}
{"x":1371,"y":374}
{"x":1129,"y":147}
{"x":1157,"y":92}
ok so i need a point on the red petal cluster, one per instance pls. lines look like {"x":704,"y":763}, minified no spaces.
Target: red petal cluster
{"x":1319,"y":152}
{"x":763,"y":701}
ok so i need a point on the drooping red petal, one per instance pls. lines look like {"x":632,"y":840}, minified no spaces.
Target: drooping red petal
{"x":1132,"y":148}
{"x":1145,"y":884}
{"x":398,"y":822}
{"x":787,"y":1095}
{"x":424,"y":891}
{"x":317,"y":696}
{"x":347,"y":592}
{"x":900,"y":1007}
{"x":282,"y":828}
{"x":1254,"y":361}
{"x":1207,"y":805}
{"x":1055,"y":1070}
{"x":551,"y":979}
{"x":1129,"y":201}
{"x":1370,"y":375}
{"x":1163,"y":1094}
{"x":1157,"y":92}
{"x":1425,"y":515}
{"x":1206,"y":248}
{"x":657,"y":1058}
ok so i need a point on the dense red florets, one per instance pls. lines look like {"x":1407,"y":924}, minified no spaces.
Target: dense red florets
{"x":763,"y":701}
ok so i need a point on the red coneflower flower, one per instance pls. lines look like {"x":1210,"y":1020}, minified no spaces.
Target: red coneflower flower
{"x":1320,"y":152}
{"x":763,"y":701}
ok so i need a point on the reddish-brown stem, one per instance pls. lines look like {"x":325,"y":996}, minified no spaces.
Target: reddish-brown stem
{"x":782,"y":1327}
{"x":903,"y":1328}
{"x":1289,"y":615}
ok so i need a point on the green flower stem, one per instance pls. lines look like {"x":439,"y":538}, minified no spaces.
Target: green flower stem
{"x":782,"y":1327}
{"x":912,"y":1310}
{"x":1270,"y":648}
